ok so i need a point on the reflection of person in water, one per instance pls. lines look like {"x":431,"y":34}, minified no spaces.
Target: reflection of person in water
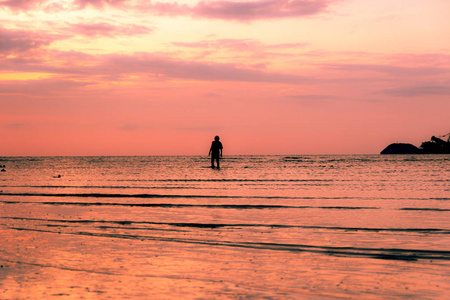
{"x":215,"y":152}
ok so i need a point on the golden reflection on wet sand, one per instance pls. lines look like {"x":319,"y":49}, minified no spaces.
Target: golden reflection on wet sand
{"x":38,"y":265}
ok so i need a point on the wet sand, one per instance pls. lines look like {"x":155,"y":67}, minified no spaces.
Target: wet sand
{"x":51,"y":261}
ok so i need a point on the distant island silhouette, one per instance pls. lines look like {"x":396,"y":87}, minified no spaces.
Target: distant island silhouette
{"x":435,"y":145}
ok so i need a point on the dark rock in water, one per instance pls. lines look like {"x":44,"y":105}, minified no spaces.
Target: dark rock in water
{"x":400,"y":148}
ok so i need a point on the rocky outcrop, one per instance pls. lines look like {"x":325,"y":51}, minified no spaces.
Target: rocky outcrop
{"x":400,"y":148}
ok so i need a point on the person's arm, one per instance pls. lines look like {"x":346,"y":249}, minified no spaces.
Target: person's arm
{"x":221,"y":147}
{"x":210,"y":149}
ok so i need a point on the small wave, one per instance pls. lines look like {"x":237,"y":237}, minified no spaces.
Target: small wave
{"x":173,"y":205}
{"x":99,"y":187}
{"x":107,"y":195}
{"x":297,"y":158}
{"x":424,"y":209}
{"x":335,"y":160}
{"x":376,"y":253}
{"x":143,"y":196}
{"x":226,"y":180}
{"x":237,"y":225}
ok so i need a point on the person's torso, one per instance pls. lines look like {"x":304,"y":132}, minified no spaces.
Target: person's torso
{"x":216,"y":146}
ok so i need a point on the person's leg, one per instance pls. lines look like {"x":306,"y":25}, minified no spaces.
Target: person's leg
{"x":212,"y":161}
{"x":218,"y":164}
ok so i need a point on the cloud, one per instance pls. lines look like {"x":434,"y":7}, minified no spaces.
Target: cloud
{"x":39,"y":65}
{"x":287,"y":45}
{"x":106,"y":29}
{"x":38,"y":86}
{"x":21,"y":4}
{"x":427,"y":59}
{"x":388,"y":69}
{"x":237,"y":45}
{"x":256,"y":49}
{"x":253,"y":10}
{"x":50,"y":62}
{"x":98,"y":3}
{"x":17,"y":125}
{"x":225,"y":10}
{"x":49,"y":5}
{"x":200,"y":128}
{"x":13,"y":41}
{"x":163,"y":8}
{"x":211,"y":95}
{"x":419,"y":90}
{"x":192,"y":70}
{"x":242,"y":10}
{"x":113,"y":66}
{"x":129,"y":126}
{"x":312,"y":97}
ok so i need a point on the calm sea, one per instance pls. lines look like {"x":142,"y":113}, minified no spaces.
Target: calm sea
{"x":262,"y":227}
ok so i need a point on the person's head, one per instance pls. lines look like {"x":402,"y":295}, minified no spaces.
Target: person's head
{"x":216,"y":138}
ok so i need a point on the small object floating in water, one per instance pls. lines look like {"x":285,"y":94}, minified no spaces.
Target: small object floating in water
{"x":59,"y":176}
{"x":3,"y":170}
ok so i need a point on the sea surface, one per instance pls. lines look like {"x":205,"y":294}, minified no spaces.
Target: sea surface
{"x":262,"y":227}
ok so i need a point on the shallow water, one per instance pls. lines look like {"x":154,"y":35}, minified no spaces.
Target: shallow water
{"x":276,"y":227}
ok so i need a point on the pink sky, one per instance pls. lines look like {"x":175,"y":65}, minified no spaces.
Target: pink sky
{"x":139,"y":77}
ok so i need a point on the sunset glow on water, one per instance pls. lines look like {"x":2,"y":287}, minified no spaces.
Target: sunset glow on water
{"x":276,"y":227}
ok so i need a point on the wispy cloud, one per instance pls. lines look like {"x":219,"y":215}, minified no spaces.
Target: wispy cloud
{"x":200,"y":128}
{"x":253,"y":10}
{"x":84,"y":68}
{"x":193,"y":70}
{"x":17,"y":126}
{"x":238,"y":45}
{"x":21,"y":4}
{"x":106,"y":29}
{"x":129,"y":126}
{"x":312,"y":97}
{"x":241,"y":48}
{"x":98,"y":3}
{"x":419,"y":90}
{"x":389,"y":69}
{"x":224,"y":10}
{"x":13,"y":41}
{"x":211,"y":95}
{"x":38,"y":86}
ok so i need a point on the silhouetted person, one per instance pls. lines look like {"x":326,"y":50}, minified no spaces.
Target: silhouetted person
{"x":216,"y":152}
